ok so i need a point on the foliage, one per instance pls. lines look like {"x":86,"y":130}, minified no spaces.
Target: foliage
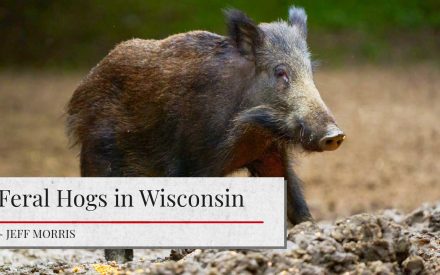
{"x":78,"y":33}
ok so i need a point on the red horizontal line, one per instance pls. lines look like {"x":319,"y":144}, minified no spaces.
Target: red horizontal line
{"x":131,"y":222}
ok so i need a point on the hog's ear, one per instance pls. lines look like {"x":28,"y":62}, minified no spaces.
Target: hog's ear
{"x":246,"y":35}
{"x":298,"y":18}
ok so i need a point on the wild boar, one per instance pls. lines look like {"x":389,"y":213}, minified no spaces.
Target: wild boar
{"x":201,"y":104}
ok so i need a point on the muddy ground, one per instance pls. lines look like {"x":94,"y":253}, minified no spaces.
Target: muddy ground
{"x":390,"y":160}
{"x":388,"y":242}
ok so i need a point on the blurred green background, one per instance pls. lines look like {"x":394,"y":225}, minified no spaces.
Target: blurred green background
{"x":77,"y":34}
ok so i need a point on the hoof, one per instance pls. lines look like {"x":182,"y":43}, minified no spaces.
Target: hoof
{"x":177,"y":254}
{"x":119,"y":255}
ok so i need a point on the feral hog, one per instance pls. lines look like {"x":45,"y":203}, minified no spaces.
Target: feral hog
{"x":201,"y":104}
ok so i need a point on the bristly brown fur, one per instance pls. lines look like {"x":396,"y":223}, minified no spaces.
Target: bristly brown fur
{"x":201,"y":104}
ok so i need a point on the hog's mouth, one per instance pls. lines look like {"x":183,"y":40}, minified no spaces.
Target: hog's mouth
{"x":304,"y":137}
{"x":273,"y":121}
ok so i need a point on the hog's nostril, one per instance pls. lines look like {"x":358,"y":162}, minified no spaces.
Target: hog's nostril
{"x":331,"y":141}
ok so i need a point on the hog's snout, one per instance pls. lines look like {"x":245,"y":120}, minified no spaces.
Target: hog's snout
{"x":332,"y":140}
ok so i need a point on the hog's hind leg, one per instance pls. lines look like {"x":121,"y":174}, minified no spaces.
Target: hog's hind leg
{"x":103,"y":159}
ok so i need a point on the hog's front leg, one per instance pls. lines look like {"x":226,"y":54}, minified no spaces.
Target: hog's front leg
{"x":297,"y":209}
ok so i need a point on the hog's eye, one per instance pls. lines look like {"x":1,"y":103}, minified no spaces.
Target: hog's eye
{"x":281,"y":73}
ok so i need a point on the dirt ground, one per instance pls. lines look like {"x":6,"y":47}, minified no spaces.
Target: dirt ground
{"x":390,"y":158}
{"x":387,"y":242}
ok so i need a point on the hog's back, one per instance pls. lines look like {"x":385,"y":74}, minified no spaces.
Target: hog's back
{"x":166,"y":105}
